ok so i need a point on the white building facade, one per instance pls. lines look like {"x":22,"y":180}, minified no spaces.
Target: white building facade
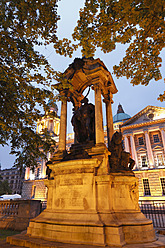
{"x":144,"y":138}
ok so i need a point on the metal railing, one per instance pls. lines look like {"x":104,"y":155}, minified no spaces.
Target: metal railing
{"x":154,"y":210}
{"x":44,"y":205}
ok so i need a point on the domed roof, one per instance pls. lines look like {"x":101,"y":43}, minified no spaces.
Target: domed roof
{"x":121,"y":115}
{"x":53,"y":106}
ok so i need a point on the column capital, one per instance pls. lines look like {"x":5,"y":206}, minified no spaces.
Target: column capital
{"x":96,"y":86}
{"x":126,"y":135}
{"x":108,"y":98}
{"x":65,"y":95}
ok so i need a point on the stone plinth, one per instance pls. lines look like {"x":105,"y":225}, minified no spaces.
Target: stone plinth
{"x":26,"y":241}
{"x":86,"y":208}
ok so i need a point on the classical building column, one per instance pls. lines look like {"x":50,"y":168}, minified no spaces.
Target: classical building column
{"x":98,"y":116}
{"x":149,"y":149}
{"x":27,"y":173}
{"x":163,"y":137}
{"x":108,"y":101}
{"x":63,"y":123}
{"x":126,"y":143}
{"x":43,"y":168}
{"x":133,"y":150}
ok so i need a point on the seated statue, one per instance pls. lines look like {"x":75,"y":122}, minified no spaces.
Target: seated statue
{"x":83,"y":122}
{"x":119,"y":159}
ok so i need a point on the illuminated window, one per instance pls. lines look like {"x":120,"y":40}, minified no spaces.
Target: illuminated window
{"x":160,"y":160}
{"x":51,"y":125}
{"x":163,"y":185}
{"x":141,"y":141}
{"x":33,"y":191}
{"x":37,"y":173}
{"x":144,"y":161}
{"x":146,"y":187}
{"x":156,"y":138}
{"x":46,"y":192}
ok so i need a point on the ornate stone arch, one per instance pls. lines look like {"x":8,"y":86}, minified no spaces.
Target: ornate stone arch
{"x":84,"y":72}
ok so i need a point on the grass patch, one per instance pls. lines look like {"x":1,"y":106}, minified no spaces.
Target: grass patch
{"x":5,"y":233}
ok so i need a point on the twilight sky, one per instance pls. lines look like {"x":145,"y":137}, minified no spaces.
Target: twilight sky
{"x":132,"y":98}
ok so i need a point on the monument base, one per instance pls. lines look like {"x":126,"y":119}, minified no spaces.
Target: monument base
{"x":93,"y":228}
{"x":26,"y":241}
{"x":88,"y":208}
{"x":91,"y":209}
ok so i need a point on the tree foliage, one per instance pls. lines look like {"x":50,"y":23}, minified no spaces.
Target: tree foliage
{"x":138,"y":23}
{"x":25,"y":74}
{"x":27,"y":79}
{"x":4,"y":187}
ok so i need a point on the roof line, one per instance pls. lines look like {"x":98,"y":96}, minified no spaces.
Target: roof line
{"x":140,"y":112}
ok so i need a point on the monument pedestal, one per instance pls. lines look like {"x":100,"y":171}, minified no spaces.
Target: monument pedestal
{"x":86,"y":208}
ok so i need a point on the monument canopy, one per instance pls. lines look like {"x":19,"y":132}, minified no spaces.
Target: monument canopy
{"x":84,"y":72}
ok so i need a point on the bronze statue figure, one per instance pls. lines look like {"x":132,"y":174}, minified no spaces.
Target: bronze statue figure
{"x":119,"y":159}
{"x":83,"y":122}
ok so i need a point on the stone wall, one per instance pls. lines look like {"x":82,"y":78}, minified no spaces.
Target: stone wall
{"x":153,"y":176}
{"x":16,"y":214}
{"x":34,"y":189}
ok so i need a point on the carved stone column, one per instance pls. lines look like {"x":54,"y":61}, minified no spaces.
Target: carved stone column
{"x":98,"y":116}
{"x":163,"y":137}
{"x":126,"y":143}
{"x":133,"y":150}
{"x":108,"y":101}
{"x":63,"y":124}
{"x":149,"y":149}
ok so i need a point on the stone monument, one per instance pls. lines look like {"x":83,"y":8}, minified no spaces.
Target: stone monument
{"x":92,"y":191}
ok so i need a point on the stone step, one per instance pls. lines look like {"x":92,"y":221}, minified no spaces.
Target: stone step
{"x":4,"y":244}
{"x":22,"y":240}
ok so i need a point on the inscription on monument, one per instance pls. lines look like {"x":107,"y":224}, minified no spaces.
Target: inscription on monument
{"x":71,"y":181}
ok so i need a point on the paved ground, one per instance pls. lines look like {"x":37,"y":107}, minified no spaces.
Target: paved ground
{"x":39,"y":243}
{"x":6,"y":245}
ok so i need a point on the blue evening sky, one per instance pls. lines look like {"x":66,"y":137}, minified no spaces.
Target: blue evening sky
{"x":132,"y":98}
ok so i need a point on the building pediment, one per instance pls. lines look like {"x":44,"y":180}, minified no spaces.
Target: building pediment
{"x":150,"y":114}
{"x":141,"y":149}
{"x":156,"y":148}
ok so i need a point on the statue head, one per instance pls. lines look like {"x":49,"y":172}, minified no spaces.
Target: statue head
{"x":84,"y":100}
{"x":117,"y":138}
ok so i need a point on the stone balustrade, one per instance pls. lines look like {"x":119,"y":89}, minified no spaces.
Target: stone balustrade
{"x":9,"y":208}
{"x":16,"y":214}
